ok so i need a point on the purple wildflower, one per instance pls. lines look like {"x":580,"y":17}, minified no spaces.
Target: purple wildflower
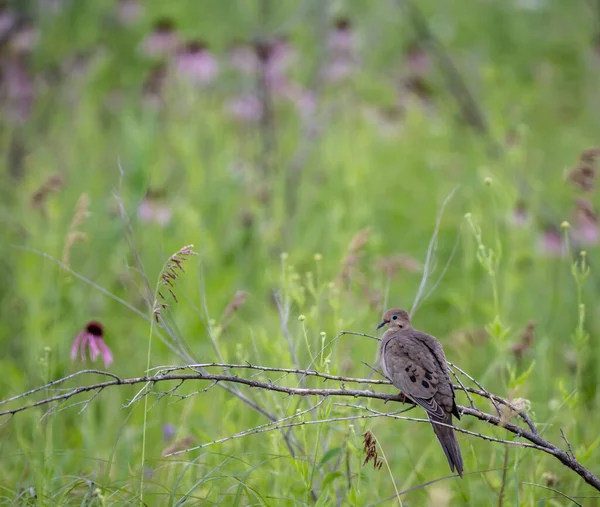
{"x":342,"y":55}
{"x":418,"y":60}
{"x":18,"y":87}
{"x":8,"y":20}
{"x":520,"y":216}
{"x":154,"y":209}
{"x":551,"y":243}
{"x":162,"y":41}
{"x":586,"y":224}
{"x":24,"y":38}
{"x":245,"y":108}
{"x":91,"y":339}
{"x":196,"y":63}
{"x":168,"y":431}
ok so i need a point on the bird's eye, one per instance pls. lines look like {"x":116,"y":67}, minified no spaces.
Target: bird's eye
{"x":395,"y":317}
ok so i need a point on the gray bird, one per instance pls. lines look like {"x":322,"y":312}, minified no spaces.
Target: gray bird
{"x":415,"y":363}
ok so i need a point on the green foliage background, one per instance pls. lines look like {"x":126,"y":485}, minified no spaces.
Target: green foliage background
{"x":535,"y":75}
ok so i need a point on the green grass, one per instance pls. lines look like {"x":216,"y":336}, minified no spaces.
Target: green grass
{"x":534,"y":75}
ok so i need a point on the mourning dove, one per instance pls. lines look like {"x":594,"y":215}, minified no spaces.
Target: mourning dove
{"x":415,"y":363}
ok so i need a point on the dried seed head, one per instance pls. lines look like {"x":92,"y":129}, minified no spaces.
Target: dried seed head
{"x":370,"y":449}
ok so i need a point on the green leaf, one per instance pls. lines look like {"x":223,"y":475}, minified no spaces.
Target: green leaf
{"x":521,"y":379}
{"x":331,"y":453}
{"x":330,"y":478}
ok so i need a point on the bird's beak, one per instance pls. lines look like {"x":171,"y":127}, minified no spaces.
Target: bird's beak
{"x":381,"y":325}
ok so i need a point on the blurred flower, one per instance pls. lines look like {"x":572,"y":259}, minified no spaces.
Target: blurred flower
{"x":341,"y":46}
{"x":273,"y":59}
{"x":162,"y":41}
{"x":153,"y":86}
{"x":245,"y":108}
{"x":585,"y":230}
{"x":24,"y":38}
{"x":551,"y":243}
{"x":242,"y":57}
{"x":196,"y":63}
{"x":168,"y":431}
{"x":128,"y":12}
{"x":8,"y":20}
{"x":91,"y":339}
{"x":153,"y":208}
{"x":520,"y":216}
{"x":304,"y":100}
{"x":17,"y":87}
{"x":418,"y":60}
{"x":342,"y":38}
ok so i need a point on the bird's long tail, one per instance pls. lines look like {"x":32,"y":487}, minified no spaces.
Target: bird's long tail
{"x":448,"y":441}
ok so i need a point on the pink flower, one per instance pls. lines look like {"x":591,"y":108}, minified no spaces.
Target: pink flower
{"x":520,"y":215}
{"x":342,"y":58}
{"x":245,"y":108}
{"x":586,"y":223}
{"x":91,"y":339}
{"x":196,"y":63}
{"x":273,"y":58}
{"x":163,"y":40}
{"x":418,"y":60}
{"x":342,"y":39}
{"x":152,"y":91}
{"x":8,"y":20}
{"x":25,"y":38}
{"x":551,"y":243}
{"x":154,"y":209}
{"x":18,"y":87}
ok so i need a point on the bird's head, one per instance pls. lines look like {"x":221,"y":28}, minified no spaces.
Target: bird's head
{"x":395,"y":318}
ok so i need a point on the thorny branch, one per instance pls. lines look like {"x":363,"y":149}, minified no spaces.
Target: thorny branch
{"x":190,"y":373}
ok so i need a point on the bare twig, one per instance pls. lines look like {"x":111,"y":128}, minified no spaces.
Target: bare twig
{"x":555,"y":490}
{"x":562,"y":434}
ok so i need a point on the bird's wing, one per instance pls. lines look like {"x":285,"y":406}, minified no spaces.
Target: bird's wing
{"x":414,"y":369}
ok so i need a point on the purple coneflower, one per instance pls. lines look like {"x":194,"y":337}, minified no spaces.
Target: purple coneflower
{"x":273,"y":58}
{"x":91,"y":339}
{"x":162,"y":41}
{"x":196,"y":63}
{"x":342,"y":52}
{"x":342,"y":38}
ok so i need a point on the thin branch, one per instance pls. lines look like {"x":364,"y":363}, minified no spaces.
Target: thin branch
{"x":555,"y":491}
{"x":562,"y":434}
{"x":534,"y":440}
